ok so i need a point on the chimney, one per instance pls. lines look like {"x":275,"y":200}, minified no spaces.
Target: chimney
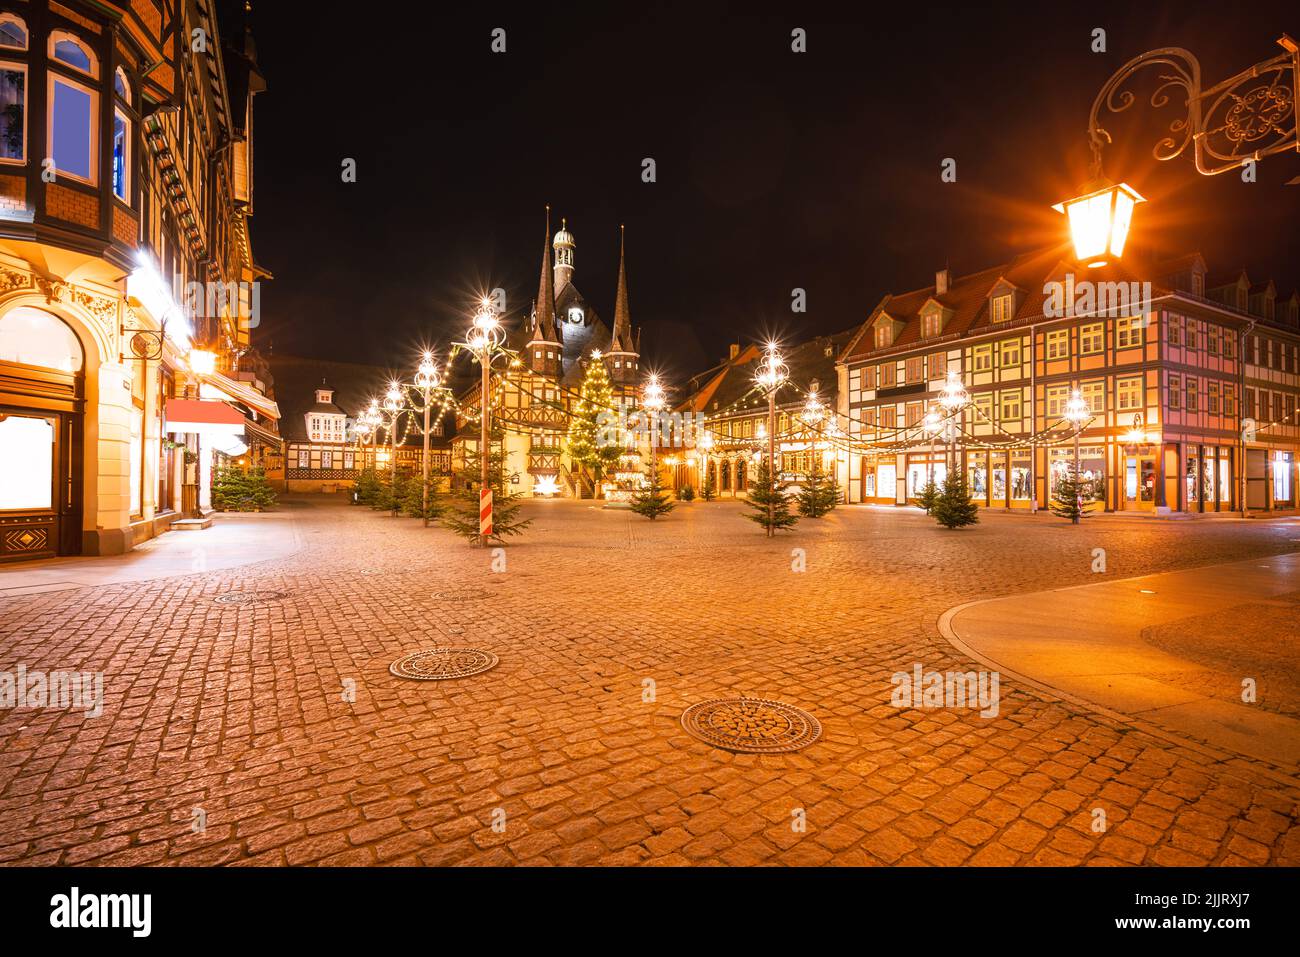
{"x":733,"y":350}
{"x":941,"y":282}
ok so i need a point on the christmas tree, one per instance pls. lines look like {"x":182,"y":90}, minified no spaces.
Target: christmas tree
{"x":928,"y":496}
{"x":954,"y":507}
{"x":708,"y":491}
{"x":820,"y":493}
{"x":687,"y":493}
{"x":463,"y":518}
{"x":237,"y":490}
{"x":766,"y":490}
{"x":586,"y":444}
{"x":412,"y":497}
{"x":367,"y":487}
{"x":651,"y":500}
{"x":1070,"y":496}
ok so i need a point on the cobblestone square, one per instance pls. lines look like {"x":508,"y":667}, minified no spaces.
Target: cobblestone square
{"x":278,"y":726}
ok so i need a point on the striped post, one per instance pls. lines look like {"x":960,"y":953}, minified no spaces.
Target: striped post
{"x":485,"y":513}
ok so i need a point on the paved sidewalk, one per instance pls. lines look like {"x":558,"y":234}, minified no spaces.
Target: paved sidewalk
{"x":233,"y":540}
{"x":1087,"y":642}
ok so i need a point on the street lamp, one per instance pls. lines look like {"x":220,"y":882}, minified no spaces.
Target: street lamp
{"x":953,"y":397}
{"x":393,"y":408}
{"x":652,"y":400}
{"x":772,"y":374}
{"x":705,"y":444}
{"x":1100,"y":220}
{"x":484,"y":339}
{"x":427,"y":382}
{"x":1077,"y":414}
{"x":933,"y":423}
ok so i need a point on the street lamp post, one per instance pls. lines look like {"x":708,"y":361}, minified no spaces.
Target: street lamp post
{"x":393,"y":408}
{"x":485,"y":337}
{"x":933,"y":422}
{"x":705,"y":443}
{"x":953,"y":397}
{"x":652,"y":400}
{"x":772,"y":374}
{"x":1077,"y":414}
{"x":427,"y":382}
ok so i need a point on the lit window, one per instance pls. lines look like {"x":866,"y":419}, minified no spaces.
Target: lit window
{"x":121,"y":156}
{"x":884,"y":336}
{"x":982,"y":359}
{"x":1175,"y":392}
{"x":1009,"y":350}
{"x":1092,"y":338}
{"x":70,"y":51}
{"x":13,"y":32}
{"x":36,"y":338}
{"x":327,"y":459}
{"x":1002,"y":308}
{"x":304,"y":458}
{"x":1128,"y":332}
{"x":932,"y":324}
{"x":1129,"y":392}
{"x":72,"y":135}
{"x":1011,"y":405}
{"x":30,"y":440}
{"x":1057,"y":396}
{"x":1094,"y":393}
{"x":1058,"y":344}
{"x":13,"y":112}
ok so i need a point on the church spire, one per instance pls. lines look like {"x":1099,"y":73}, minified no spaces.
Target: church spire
{"x":544,"y":327}
{"x":622,"y":338}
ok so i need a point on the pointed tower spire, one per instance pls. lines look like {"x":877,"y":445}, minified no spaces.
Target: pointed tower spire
{"x":622,"y":338}
{"x":544,"y":330}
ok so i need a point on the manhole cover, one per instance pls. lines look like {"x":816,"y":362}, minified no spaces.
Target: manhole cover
{"x":460,"y":594}
{"x":751,"y":725}
{"x":249,"y":597}
{"x":440,"y":664}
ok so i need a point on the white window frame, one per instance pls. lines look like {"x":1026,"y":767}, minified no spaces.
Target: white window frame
{"x":22,"y":24}
{"x":94,"y":126}
{"x":58,"y":36}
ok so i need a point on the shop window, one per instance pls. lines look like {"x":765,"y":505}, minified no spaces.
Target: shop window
{"x":30,"y":440}
{"x":37,"y":338}
{"x":1282,"y":477}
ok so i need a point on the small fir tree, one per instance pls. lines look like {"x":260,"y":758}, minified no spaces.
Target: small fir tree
{"x":586,"y":444}
{"x":382,"y":500}
{"x":687,"y":494}
{"x":367,"y":486}
{"x":412,"y":498}
{"x":462,"y":514}
{"x":708,"y":489}
{"x":954,"y":507}
{"x":651,"y":501}
{"x":1070,"y":496}
{"x":767,"y":489}
{"x":819,"y":494}
{"x":928,"y":497}
{"x":237,"y":490}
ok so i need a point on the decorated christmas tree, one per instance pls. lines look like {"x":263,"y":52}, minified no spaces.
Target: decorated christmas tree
{"x":820,"y":493}
{"x":462,"y":517}
{"x":954,"y":507}
{"x":766,"y":490}
{"x":1071,"y":495}
{"x":651,"y":500}
{"x":587,"y":441}
{"x":237,"y":490}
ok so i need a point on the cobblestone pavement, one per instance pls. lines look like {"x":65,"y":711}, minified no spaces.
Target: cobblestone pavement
{"x":239,"y":710}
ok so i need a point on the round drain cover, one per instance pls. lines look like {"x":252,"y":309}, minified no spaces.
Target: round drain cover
{"x":751,"y":725}
{"x":440,"y":664}
{"x":249,"y":597}
{"x":460,"y":594}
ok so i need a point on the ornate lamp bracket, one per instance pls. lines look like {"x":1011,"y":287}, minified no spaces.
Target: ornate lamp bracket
{"x":1244,"y":118}
{"x":146,"y":345}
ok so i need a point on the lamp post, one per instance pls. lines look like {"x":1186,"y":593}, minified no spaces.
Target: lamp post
{"x":1077,"y":414}
{"x":427,"y":381}
{"x":484,"y":340}
{"x":393,"y":407}
{"x":705,"y":444}
{"x":933,"y":423}
{"x":953,"y":397}
{"x":652,"y":400}
{"x":813,"y":415}
{"x":772,"y":374}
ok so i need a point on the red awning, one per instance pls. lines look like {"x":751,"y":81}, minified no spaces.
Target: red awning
{"x":184,"y":413}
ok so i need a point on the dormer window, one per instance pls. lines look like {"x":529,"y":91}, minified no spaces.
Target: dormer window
{"x":884,"y":336}
{"x":932,"y":324}
{"x":1198,"y":284}
{"x":1001,"y":309}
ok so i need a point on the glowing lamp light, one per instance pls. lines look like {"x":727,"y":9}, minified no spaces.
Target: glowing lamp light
{"x":1076,"y":410}
{"x":546,"y":485}
{"x":203,"y":362}
{"x":953,"y":396}
{"x":653,"y":398}
{"x":1100,"y":222}
{"x":933,"y":421}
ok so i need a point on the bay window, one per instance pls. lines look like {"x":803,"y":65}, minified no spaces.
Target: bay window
{"x":13,"y":113}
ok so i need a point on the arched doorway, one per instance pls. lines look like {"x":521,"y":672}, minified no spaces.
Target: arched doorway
{"x":42,"y":404}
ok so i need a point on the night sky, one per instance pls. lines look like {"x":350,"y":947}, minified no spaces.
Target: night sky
{"x":775,"y":170}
